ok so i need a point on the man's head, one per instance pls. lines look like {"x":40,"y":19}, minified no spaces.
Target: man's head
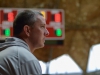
{"x":31,"y":27}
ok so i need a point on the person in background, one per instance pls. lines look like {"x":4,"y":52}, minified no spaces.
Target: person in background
{"x":16,"y":53}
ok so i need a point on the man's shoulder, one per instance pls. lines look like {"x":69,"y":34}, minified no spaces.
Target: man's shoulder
{"x":20,"y":52}
{"x":15,"y":51}
{"x":25,"y":54}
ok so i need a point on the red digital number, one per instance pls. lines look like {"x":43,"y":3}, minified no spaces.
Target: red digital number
{"x":10,"y":17}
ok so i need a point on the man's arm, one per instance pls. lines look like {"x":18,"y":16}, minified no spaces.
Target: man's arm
{"x":31,"y":68}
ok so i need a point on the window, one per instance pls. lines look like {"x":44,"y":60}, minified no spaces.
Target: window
{"x":94,"y":59}
{"x":63,"y":65}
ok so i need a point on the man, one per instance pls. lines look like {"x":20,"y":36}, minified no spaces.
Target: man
{"x":16,"y":56}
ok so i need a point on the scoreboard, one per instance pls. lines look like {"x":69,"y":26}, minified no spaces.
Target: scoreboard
{"x":54,"y":20}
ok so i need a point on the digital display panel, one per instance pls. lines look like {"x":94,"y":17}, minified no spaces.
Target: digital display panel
{"x":54,"y":19}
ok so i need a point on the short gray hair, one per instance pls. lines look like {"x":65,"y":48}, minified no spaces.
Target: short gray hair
{"x":26,"y":17}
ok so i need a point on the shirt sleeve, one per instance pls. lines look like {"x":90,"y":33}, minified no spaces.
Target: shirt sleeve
{"x":31,"y":68}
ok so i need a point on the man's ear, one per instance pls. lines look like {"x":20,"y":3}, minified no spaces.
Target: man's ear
{"x":27,"y":30}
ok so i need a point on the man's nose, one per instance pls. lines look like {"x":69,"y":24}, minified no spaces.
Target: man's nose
{"x":46,"y":32}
